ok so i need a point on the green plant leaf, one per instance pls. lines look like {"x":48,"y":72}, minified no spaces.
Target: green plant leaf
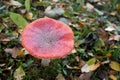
{"x":27,"y":5}
{"x":91,"y":61}
{"x":18,"y":20}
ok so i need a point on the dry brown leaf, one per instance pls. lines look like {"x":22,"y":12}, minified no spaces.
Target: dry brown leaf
{"x":73,"y":51}
{"x":69,"y":67}
{"x":102,"y":34}
{"x":90,"y":54}
{"x":115,"y":65}
{"x":85,"y":76}
{"x":15,"y":52}
{"x":60,"y":77}
{"x":112,"y":72}
{"x":81,"y":24}
{"x":113,"y":13}
{"x":5,"y":40}
{"x":94,"y":66}
{"x":76,"y":67}
{"x":114,"y":37}
{"x":12,"y":51}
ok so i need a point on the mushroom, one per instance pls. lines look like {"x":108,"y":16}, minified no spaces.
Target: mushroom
{"x":47,"y":38}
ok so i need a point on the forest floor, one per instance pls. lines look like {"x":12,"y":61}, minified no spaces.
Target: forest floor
{"x":96,"y":27}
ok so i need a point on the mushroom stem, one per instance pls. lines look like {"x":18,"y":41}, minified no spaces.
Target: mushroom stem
{"x":45,"y":62}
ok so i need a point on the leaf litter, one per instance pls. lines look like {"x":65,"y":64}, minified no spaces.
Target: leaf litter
{"x":97,"y":40}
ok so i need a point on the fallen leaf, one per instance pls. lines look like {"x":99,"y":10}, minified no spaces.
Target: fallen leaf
{"x":18,"y":20}
{"x":15,"y":3}
{"x":90,"y":54}
{"x":60,"y":77}
{"x":105,"y":62}
{"x":85,"y":76}
{"x":69,"y":67}
{"x":114,"y":37}
{"x":76,"y":67}
{"x":108,"y":55}
{"x":89,"y":7}
{"x":96,"y":0}
{"x":88,"y":68}
{"x":65,"y":20}
{"x":55,"y":12}
{"x":112,"y":72}
{"x":73,"y":51}
{"x":55,"y":0}
{"x":2,"y":65}
{"x":29,"y":15}
{"x":98,"y":11}
{"x":112,"y":77}
{"x":21,"y":53}
{"x":19,"y":73}
{"x":81,"y":24}
{"x":12,"y":51}
{"x":110,"y":28}
{"x":115,"y":65}
{"x":85,"y":68}
{"x":94,"y":66}
{"x":15,"y":52}
{"x":8,"y":68}
{"x":81,"y":63}
{"x":91,"y":61}
{"x":102,"y":34}
{"x":6,"y":39}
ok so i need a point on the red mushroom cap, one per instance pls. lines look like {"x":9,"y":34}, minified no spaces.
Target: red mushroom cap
{"x":48,"y":38}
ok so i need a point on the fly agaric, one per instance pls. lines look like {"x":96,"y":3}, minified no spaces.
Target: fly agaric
{"x":48,"y":38}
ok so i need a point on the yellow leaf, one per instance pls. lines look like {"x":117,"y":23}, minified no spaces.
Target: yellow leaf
{"x":94,"y":66}
{"x":19,"y":73}
{"x":108,"y":55}
{"x":115,"y":65}
{"x":29,"y":15}
{"x":112,"y":77}
{"x":21,"y":53}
